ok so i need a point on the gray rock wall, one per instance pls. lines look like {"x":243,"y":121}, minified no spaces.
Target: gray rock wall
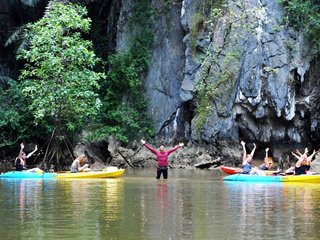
{"x":262,"y":74}
{"x":165,"y":75}
{"x":269,"y":96}
{"x":163,"y":80}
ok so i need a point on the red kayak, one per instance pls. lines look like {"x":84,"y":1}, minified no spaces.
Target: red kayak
{"x":234,"y":170}
{"x":230,"y":170}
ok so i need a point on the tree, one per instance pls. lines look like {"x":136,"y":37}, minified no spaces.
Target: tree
{"x":59,"y":77}
{"x":124,"y":112}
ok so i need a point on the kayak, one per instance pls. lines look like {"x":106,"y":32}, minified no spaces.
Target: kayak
{"x":288,"y":178}
{"x":110,"y":172}
{"x":25,"y":174}
{"x":233,"y":170}
{"x":230,"y":170}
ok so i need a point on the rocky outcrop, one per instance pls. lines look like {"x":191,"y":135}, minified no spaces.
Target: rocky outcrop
{"x":255,"y":76}
{"x":220,"y":73}
{"x":163,"y":79}
{"x":262,"y":74}
{"x":269,"y":84}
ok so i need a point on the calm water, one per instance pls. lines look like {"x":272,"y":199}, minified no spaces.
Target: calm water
{"x":191,"y":204}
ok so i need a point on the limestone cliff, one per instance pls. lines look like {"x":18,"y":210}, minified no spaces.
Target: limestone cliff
{"x":256,"y":76}
{"x":225,"y":71}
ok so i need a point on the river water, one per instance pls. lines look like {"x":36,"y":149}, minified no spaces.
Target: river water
{"x":191,"y":204}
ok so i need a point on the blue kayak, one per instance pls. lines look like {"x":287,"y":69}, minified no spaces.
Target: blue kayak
{"x":252,"y":178}
{"x":287,"y":178}
{"x":25,"y":174}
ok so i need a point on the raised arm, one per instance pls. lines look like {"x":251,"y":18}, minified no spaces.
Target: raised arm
{"x":149,"y":147}
{"x":298,"y":164}
{"x":244,"y":157}
{"x":297,"y":156}
{"x":309,"y":159}
{"x":301,"y":158}
{"x":253,"y":150}
{"x":21,"y":149}
{"x":175,"y":148}
{"x":298,"y":152}
{"x":35,"y":149}
{"x":266,"y":158}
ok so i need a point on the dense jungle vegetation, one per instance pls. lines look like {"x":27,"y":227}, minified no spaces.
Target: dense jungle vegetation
{"x":64,"y":88}
{"x":68,"y":80}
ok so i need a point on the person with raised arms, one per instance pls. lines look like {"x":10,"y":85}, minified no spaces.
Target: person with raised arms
{"x":20,"y":162}
{"x":303,"y":164}
{"x":162,"y":158}
{"x":267,"y":164}
{"x":247,"y":166}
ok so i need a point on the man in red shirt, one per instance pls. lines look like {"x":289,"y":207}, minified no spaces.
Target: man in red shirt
{"x":162,"y":158}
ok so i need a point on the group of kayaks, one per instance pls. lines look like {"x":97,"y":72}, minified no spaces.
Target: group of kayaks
{"x":269,"y":176}
{"x":234,"y":174}
{"x":109,"y":172}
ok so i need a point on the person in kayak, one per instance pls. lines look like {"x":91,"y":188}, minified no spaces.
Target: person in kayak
{"x":303,"y":164}
{"x":247,"y":166}
{"x":20,"y":162}
{"x":79,"y":166}
{"x":162,"y":158}
{"x":267,"y":164}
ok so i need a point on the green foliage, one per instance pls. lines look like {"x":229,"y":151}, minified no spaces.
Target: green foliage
{"x":214,"y":84}
{"x":304,"y":15}
{"x":16,"y":124}
{"x":222,"y":61}
{"x":203,"y":19}
{"x":10,"y":117}
{"x":196,"y":24}
{"x":123,"y":114}
{"x":58,"y":77}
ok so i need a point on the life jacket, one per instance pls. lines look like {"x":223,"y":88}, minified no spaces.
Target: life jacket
{"x":301,"y":170}
{"x":247,"y":168}
{"x":263,"y":167}
{"x":19,"y":166}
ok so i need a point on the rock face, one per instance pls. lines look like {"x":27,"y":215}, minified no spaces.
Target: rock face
{"x":221,"y":73}
{"x":261,"y":76}
{"x":166,"y":71}
{"x":267,"y":96}
{"x":256,"y":75}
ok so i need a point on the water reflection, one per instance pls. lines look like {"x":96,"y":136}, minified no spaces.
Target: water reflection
{"x":96,"y":203}
{"x":58,"y":208}
{"x":189,"y":205}
{"x":268,"y":210}
{"x":178,"y":209}
{"x":23,"y":197}
{"x":162,"y":201}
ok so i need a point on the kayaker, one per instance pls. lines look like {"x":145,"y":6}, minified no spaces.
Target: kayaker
{"x":162,"y":158}
{"x":76,"y":165}
{"x":247,"y":166}
{"x":267,"y":164}
{"x":303,"y":164}
{"x":20,"y":162}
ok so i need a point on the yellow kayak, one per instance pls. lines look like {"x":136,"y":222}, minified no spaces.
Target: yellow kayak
{"x":110,"y":172}
{"x":301,"y":178}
